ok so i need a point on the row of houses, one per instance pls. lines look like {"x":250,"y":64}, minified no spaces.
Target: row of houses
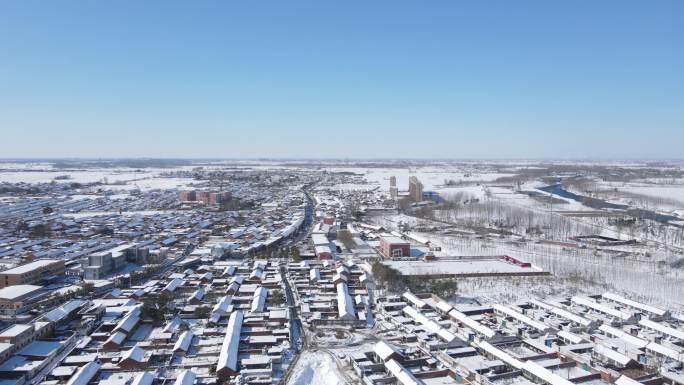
{"x":220,"y":319}
{"x":331,"y":292}
{"x":602,"y":339}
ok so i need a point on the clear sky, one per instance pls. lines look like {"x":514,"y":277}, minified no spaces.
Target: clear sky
{"x":288,"y":78}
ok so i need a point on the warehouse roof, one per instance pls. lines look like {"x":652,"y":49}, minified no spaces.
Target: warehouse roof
{"x":31,"y":266}
{"x":12,"y":293}
{"x":15,"y":330}
{"x":40,"y":348}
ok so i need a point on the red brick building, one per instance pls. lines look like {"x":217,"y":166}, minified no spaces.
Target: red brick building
{"x":188,"y":196}
{"x":394,"y":247}
{"x":207,"y":197}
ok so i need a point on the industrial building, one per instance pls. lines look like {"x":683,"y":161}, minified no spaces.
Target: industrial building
{"x":18,"y":299}
{"x":35,"y":272}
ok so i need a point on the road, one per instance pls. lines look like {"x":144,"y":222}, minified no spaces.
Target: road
{"x":297,"y":328}
{"x":307,"y":225}
{"x":298,"y":337}
{"x":299,"y":333}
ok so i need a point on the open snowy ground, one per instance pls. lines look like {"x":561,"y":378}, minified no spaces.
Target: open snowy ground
{"x":151,"y":184}
{"x":315,"y":368}
{"x":81,"y":176}
{"x":664,"y":195}
{"x":116,"y":180}
{"x":457,"y":267}
{"x":675,"y":192}
{"x":431,"y":176}
{"x":515,"y":289}
{"x":646,"y":278}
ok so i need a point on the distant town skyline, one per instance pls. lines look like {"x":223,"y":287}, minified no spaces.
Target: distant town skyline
{"x":307,"y":79}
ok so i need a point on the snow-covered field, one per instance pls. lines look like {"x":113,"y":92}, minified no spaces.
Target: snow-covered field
{"x":112,"y":179}
{"x":486,"y":266}
{"x":315,"y":368}
{"x":355,"y":187}
{"x":664,"y":195}
{"x":647,"y":278}
{"x":431,"y":177}
{"x":514,"y":289}
{"x":651,"y":281}
{"x":89,"y":176}
{"x":151,"y":184}
{"x":669,"y":192}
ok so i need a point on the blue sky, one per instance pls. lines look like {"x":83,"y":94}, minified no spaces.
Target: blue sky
{"x":456,"y":79}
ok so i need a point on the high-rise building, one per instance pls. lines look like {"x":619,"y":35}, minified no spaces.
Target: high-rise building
{"x":394,"y":191}
{"x":188,"y":196}
{"x":209,"y":197}
{"x":202,"y":196}
{"x":415,"y":189}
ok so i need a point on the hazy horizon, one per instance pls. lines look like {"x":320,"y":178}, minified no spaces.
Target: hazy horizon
{"x":672,"y":161}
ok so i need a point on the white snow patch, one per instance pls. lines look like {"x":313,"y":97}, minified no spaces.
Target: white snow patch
{"x":315,"y":368}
